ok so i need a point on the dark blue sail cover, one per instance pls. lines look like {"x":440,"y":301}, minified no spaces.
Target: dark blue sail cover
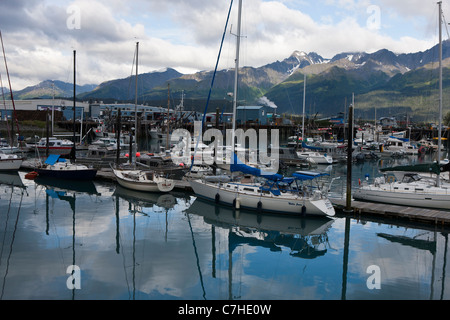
{"x":308,"y":175}
{"x":54,"y":158}
{"x":238,"y":165}
{"x":304,"y":145}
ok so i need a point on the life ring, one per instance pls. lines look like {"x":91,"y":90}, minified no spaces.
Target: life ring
{"x":217,"y":198}
{"x":390,"y":179}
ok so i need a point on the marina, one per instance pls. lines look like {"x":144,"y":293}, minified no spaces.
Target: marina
{"x":424,"y":215}
{"x":149,"y":203}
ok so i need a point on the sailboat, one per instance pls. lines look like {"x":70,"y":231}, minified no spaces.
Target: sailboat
{"x":57,"y":167}
{"x":143,"y":180}
{"x":9,"y":162}
{"x":258,"y":190}
{"x":306,"y":152}
{"x":129,"y":176}
{"x":265,"y":192}
{"x":409,"y":185}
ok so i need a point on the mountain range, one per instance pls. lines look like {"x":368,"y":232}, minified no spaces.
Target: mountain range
{"x":384,"y":84}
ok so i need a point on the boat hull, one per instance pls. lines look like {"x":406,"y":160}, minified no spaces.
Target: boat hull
{"x":315,"y":158}
{"x":80,"y":174}
{"x":147,"y":187}
{"x":10,"y":164}
{"x":413,"y":199}
{"x":268,"y":203}
{"x":160,"y":185}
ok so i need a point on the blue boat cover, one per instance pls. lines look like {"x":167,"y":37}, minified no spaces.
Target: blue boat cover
{"x":304,"y":145}
{"x":401,"y":139}
{"x":54,"y":158}
{"x":307,"y":175}
{"x":238,"y":165}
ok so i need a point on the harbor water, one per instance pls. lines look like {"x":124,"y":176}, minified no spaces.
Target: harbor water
{"x":61,"y":240}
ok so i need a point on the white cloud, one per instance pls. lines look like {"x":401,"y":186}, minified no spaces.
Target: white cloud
{"x":186,"y":35}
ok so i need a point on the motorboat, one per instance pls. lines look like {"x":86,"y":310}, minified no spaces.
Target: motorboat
{"x":110,"y":142}
{"x":198,"y":171}
{"x":315,"y":157}
{"x":394,"y":144}
{"x":55,"y":145}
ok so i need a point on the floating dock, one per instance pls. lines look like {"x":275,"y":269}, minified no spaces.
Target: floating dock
{"x":434,"y":216}
{"x":423,"y":215}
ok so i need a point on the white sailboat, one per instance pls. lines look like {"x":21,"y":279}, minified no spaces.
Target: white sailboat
{"x":305,"y":153}
{"x":10,"y":162}
{"x":143,"y":180}
{"x":261,"y":191}
{"x":61,"y":168}
{"x":136,"y":179}
{"x":257,"y":190}
{"x":409,"y":185}
{"x":414,"y":185}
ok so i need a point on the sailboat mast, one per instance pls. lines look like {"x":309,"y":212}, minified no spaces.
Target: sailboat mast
{"x":135,"y":99}
{"x":440,"y":83}
{"x":9,"y":82}
{"x":304,"y":100}
{"x":236,"y":72}
{"x":168,"y":116}
{"x":74,"y":102}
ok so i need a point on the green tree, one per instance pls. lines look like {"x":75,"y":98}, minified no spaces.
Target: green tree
{"x":446,"y":120}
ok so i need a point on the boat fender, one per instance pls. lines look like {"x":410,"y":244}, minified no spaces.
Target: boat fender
{"x":217,"y":198}
{"x":237,"y":203}
{"x":303,"y":210}
{"x":359,"y":181}
{"x":259,"y":206}
{"x":390,"y":179}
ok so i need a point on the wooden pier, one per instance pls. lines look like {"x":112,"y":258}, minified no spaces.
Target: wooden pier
{"x":434,"y":216}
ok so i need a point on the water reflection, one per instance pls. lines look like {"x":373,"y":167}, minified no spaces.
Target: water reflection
{"x":11,"y":179}
{"x":305,"y":237}
{"x":61,"y":188}
{"x":134,"y":245}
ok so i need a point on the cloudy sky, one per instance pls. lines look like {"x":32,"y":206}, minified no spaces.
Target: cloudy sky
{"x":40,"y":35}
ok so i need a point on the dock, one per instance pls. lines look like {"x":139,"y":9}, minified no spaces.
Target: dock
{"x":416,"y":214}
